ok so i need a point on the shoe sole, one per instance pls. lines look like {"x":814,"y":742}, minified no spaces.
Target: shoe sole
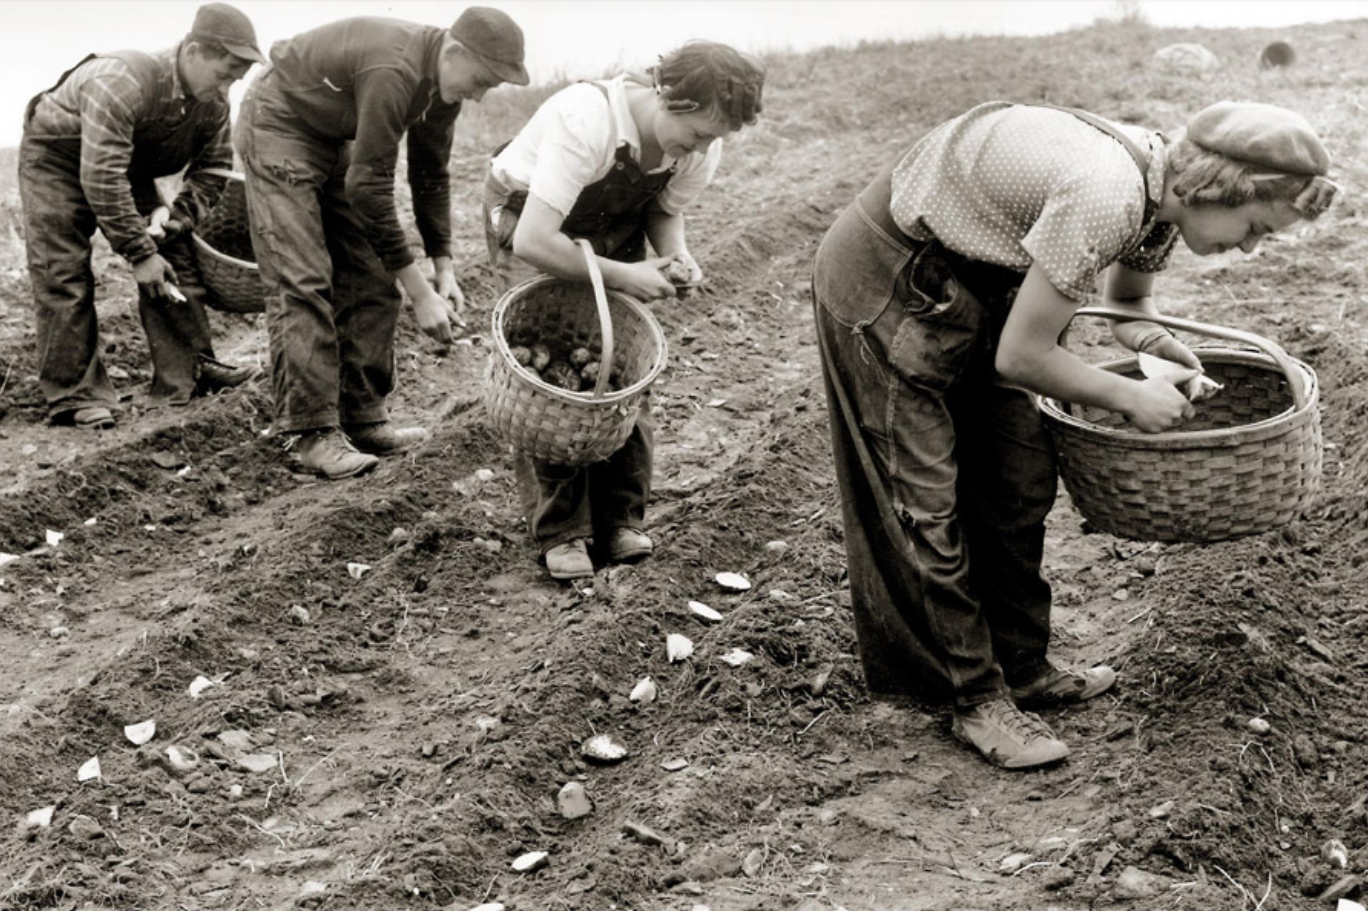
{"x":631,"y":556}
{"x":567,"y":576}
{"x":364,"y":469}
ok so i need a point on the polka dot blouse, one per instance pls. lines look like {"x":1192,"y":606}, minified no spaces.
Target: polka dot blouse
{"x":1016,"y":185}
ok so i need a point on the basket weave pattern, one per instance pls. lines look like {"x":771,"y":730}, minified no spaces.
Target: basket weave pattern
{"x":550,"y":423}
{"x":1250,"y":460}
{"x":223,"y":247}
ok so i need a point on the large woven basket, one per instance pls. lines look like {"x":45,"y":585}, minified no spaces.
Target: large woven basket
{"x":554,"y":424}
{"x":1249,"y":461}
{"x":223,"y":247}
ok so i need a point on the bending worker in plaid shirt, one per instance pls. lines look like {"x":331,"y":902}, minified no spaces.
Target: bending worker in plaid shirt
{"x":93,"y":146}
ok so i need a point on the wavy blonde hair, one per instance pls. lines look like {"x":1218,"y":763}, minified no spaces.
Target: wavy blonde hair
{"x":1200,"y":175}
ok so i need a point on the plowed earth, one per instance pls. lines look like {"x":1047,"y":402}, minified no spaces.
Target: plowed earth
{"x":421,"y":718}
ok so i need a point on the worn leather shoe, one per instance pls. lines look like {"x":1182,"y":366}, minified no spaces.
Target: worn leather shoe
{"x":1008,"y":737}
{"x":215,"y":375}
{"x":384,"y":438}
{"x":627,"y":545}
{"x":93,"y":417}
{"x":328,"y":454}
{"x":569,"y":560}
{"x":1059,"y":686}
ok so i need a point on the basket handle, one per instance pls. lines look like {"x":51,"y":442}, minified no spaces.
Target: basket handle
{"x":1295,"y":381}
{"x":605,"y":317}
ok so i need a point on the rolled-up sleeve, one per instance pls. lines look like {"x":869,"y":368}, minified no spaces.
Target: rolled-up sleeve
{"x":382,"y":97}
{"x":429,"y":151}
{"x":109,"y":106}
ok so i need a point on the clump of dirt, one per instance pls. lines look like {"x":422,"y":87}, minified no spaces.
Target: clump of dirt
{"x":413,"y":692}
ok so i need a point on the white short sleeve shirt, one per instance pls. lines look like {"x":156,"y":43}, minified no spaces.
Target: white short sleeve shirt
{"x":1017,"y":185}
{"x":572,"y":140}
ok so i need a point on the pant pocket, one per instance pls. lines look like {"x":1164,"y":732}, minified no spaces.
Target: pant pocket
{"x":856,"y":269}
{"x":940,"y":324}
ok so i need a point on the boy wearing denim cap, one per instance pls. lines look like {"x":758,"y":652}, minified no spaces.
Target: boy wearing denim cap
{"x":93,"y":146}
{"x":941,"y":295}
{"x":319,"y":137}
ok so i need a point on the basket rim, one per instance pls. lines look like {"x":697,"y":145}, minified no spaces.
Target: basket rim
{"x":223,"y":257}
{"x":502,"y":348}
{"x":1053,"y":413}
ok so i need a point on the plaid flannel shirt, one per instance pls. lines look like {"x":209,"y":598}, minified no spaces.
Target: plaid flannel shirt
{"x":102,"y":104}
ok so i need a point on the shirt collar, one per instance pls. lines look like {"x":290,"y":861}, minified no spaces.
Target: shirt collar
{"x":622,"y":117}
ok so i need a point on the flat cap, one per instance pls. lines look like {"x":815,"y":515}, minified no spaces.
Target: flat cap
{"x":495,"y":39}
{"x":1263,"y":135}
{"x":230,"y":27}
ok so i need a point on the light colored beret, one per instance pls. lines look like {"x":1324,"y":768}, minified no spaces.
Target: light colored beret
{"x":1262,"y":135}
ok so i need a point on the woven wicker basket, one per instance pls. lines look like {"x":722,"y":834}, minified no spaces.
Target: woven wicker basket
{"x":223,"y":247}
{"x":554,"y":424}
{"x":1250,"y":460}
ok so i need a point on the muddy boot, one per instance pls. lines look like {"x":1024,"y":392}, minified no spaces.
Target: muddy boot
{"x":384,"y":438}
{"x":328,"y":454}
{"x":627,"y":545}
{"x":215,"y":376}
{"x":1062,"y":687}
{"x":569,"y":560}
{"x":1007,"y":736}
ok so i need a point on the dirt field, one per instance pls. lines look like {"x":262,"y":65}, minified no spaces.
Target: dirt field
{"x":418,"y":721}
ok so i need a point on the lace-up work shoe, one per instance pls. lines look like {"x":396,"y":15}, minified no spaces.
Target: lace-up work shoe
{"x":384,"y":438}
{"x":215,"y":375}
{"x":328,"y":454}
{"x":1059,"y":686}
{"x":1008,"y":737}
{"x":627,"y":545}
{"x":93,"y":418}
{"x":569,"y":560}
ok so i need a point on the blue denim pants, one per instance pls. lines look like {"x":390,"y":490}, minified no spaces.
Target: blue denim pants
{"x":331,"y":306}
{"x":59,"y":225}
{"x":946,"y":475}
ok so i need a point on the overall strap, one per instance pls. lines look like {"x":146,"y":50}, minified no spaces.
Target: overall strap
{"x":1141,"y":159}
{"x":33,"y":102}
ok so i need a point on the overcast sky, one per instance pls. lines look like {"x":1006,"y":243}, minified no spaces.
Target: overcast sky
{"x":39,"y":39}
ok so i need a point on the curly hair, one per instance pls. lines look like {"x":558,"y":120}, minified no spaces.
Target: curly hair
{"x":707,"y":76}
{"x":1204,"y":176}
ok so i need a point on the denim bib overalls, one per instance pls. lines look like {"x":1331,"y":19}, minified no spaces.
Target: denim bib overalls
{"x":562,"y":503}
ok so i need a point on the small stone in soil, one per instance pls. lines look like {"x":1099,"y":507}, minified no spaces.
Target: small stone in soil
{"x":573,"y":801}
{"x":533,"y":860}
{"x":643,"y":834}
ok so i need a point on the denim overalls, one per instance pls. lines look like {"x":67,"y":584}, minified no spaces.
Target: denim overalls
{"x":946,"y":475}
{"x":59,"y":224}
{"x":562,"y":503}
